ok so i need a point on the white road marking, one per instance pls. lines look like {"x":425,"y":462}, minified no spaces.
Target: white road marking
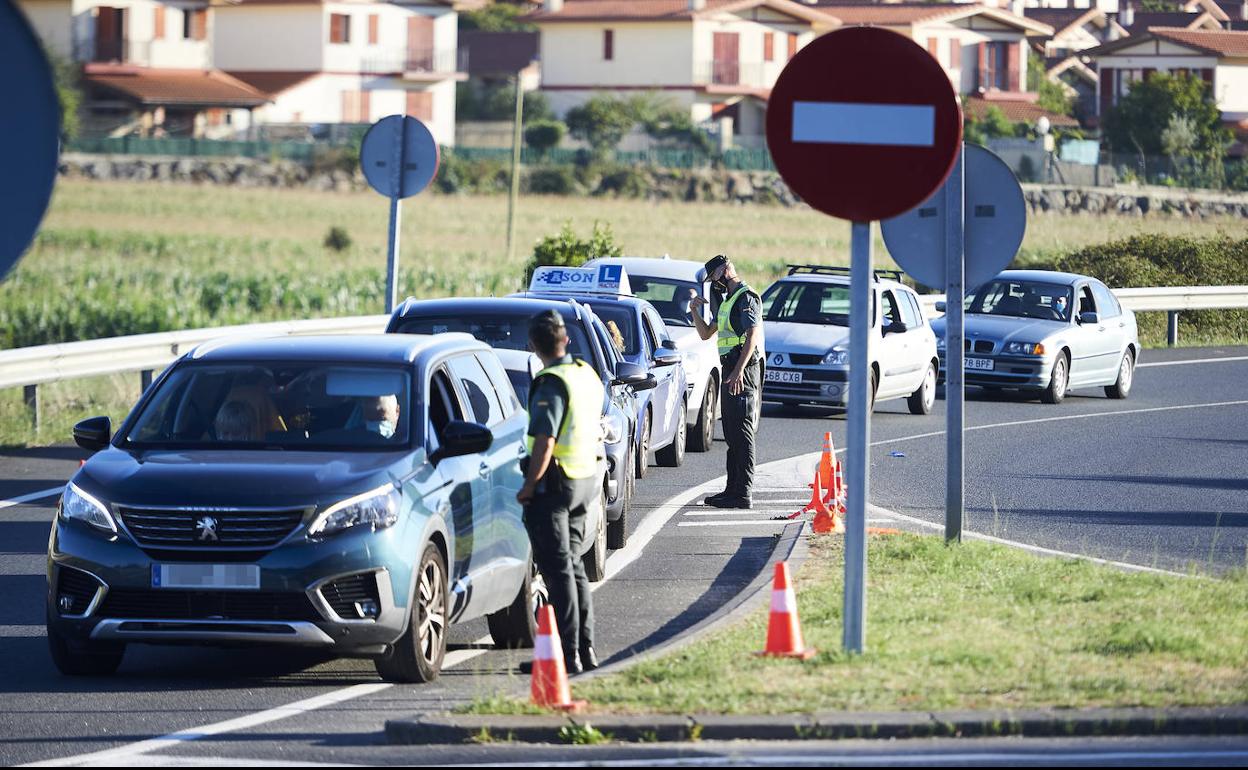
{"x":895,"y":125}
{"x":740,"y":523}
{"x":1147,"y":364}
{"x":32,"y":496}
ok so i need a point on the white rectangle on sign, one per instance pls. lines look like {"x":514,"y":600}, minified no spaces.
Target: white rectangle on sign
{"x":898,"y":125}
{"x":981,"y":364}
{"x":200,"y":576}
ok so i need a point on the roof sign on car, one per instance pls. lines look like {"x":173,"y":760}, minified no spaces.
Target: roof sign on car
{"x":604,"y":279}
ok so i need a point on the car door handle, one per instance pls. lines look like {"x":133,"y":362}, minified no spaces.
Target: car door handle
{"x":483,"y":470}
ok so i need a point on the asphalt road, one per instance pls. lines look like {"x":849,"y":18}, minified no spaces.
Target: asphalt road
{"x":1156,"y":480}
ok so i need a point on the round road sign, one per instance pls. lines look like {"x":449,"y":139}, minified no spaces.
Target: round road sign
{"x":30,"y":127}
{"x":995,"y":217}
{"x":863,"y":124}
{"x":399,"y":156}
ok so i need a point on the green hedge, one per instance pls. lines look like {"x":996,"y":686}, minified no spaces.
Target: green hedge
{"x":1162,"y":260}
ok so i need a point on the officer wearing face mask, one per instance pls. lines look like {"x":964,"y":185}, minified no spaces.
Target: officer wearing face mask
{"x":739,"y":328}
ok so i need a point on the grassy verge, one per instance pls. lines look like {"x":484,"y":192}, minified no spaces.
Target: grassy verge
{"x":977,"y":626}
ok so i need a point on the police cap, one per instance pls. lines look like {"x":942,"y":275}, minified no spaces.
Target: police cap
{"x":714,"y":263}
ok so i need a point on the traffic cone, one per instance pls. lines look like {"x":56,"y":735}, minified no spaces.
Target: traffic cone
{"x":784,"y":632}
{"x":549,"y":685}
{"x":826,"y":462}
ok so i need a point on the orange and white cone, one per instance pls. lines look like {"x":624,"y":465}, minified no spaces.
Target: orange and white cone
{"x":827,"y":473}
{"x":549,"y":685}
{"x":784,"y":632}
{"x":827,"y":519}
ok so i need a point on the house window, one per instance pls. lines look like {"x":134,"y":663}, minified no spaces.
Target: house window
{"x":373,"y":21}
{"x":195,"y":24}
{"x":339,"y":28}
{"x":608,"y":44}
{"x":769,"y":47}
{"x":994,"y":66}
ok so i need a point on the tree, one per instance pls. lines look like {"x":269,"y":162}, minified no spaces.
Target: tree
{"x":65,"y":75}
{"x":569,"y":250}
{"x":542,"y":135}
{"x":1052,"y":97}
{"x":1146,"y":111}
{"x":602,"y":121}
{"x":496,"y":17}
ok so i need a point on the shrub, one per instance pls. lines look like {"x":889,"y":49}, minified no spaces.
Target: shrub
{"x":623,"y":181}
{"x":542,"y":135}
{"x":457,"y":174}
{"x":337,"y":239}
{"x":566,"y":249}
{"x":551,"y":180}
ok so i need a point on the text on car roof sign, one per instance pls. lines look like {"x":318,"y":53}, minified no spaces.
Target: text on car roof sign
{"x":604,"y":279}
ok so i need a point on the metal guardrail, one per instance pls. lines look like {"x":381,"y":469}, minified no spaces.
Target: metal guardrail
{"x":33,"y":366}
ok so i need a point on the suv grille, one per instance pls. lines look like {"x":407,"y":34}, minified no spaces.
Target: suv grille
{"x":244,"y":529}
{"x":76,"y":587}
{"x":157,"y":604}
{"x":342,"y":594}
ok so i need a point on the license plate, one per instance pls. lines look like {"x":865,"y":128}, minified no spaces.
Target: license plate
{"x":982,"y":364}
{"x":793,"y":378}
{"x":199,"y":576}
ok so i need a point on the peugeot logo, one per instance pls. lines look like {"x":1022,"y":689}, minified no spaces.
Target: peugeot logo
{"x":207,"y":527}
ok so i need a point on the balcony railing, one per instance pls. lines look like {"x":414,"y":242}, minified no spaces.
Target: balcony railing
{"x":989,"y":79}
{"x":434,"y":61}
{"x":723,"y":72}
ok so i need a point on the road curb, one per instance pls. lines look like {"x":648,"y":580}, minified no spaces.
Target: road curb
{"x":450,"y":728}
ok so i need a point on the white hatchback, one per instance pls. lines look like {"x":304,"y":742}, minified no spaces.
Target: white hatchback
{"x":806,"y":316}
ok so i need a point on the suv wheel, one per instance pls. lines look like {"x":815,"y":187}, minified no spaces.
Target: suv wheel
{"x":922,"y":400}
{"x":673,"y":455}
{"x":1058,"y":382}
{"x":596,"y":557}
{"x":83,"y":658}
{"x":703,"y":436}
{"x":1126,"y":374}
{"x":516,"y":625}
{"x":417,"y":655}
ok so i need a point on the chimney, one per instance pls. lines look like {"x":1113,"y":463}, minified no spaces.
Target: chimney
{"x":1127,"y":17}
{"x":697,"y":5}
{"x":552,"y":6}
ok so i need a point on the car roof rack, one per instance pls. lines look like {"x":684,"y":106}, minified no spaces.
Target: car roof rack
{"x":889,"y":275}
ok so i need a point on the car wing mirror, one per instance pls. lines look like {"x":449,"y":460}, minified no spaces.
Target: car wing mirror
{"x":896,"y":327}
{"x":669,"y":344}
{"x":1090,"y":317}
{"x":666,"y":357}
{"x":634,"y":376}
{"x":93,"y":433}
{"x":461,"y":438}
{"x":942,"y":307}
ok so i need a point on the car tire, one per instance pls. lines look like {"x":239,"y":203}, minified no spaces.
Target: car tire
{"x":84,"y":658}
{"x":922,"y":400}
{"x":617,"y":530}
{"x":673,"y":455}
{"x":702,"y":438}
{"x":596,"y":557}
{"x":515,"y":626}
{"x":875,"y":385}
{"x":1126,"y":376}
{"x":643,"y":450}
{"x":1059,"y":381}
{"x":418,"y":653}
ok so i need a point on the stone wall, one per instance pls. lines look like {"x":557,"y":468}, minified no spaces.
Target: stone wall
{"x":658,"y":184}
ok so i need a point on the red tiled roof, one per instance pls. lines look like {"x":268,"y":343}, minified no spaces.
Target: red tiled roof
{"x":1145,"y":21}
{"x":1016,"y":111}
{"x":1227,"y":44}
{"x":661,"y":10}
{"x":272,"y":83}
{"x":856,"y":12}
{"x":1059,"y":19}
{"x":207,"y":88}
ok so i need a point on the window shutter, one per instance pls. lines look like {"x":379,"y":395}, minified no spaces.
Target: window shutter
{"x":1107,"y":91}
{"x":792,"y":45}
{"x":366,"y":107}
{"x":159,"y":23}
{"x":981,"y":76}
{"x":1207,"y":76}
{"x":769,"y":46}
{"x":1014,"y":56}
{"x":933,"y":47}
{"x":955,"y":54}
{"x":201,"y":24}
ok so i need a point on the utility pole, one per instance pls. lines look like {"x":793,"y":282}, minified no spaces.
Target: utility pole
{"x":514,"y":193}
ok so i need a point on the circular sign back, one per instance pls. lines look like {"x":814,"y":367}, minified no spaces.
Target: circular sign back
{"x":863,"y":124}
{"x":418,"y":158}
{"x":30,"y":128}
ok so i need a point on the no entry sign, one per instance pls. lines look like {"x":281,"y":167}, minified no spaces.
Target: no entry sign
{"x":863,"y":124}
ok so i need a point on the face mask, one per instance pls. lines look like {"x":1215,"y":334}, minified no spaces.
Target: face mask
{"x":383,"y":428}
{"x":1060,"y":307}
{"x":720,"y":286}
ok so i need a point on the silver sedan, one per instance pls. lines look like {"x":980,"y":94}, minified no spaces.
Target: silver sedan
{"x":1048,"y":332}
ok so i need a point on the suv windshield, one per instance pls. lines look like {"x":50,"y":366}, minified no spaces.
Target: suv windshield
{"x":669,"y":296}
{"x":301,"y":406}
{"x":509,"y":331}
{"x":1022,"y":299}
{"x":807,"y":303}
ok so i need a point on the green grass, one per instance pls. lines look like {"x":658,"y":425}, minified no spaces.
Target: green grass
{"x":976,"y":626}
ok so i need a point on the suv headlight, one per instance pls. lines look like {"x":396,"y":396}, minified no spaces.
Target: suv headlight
{"x":79,"y":506}
{"x":378,"y":508}
{"x":613,"y":428}
{"x":1024,"y":348}
{"x":837,"y":358}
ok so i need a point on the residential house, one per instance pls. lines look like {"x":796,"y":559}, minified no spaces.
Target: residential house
{"x":717,"y":58}
{"x":1075,"y":30}
{"x":344,"y":61}
{"x":1220,"y":58}
{"x":147,"y":66}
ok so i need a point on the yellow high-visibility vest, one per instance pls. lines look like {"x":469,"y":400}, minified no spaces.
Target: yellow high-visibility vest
{"x":579,"y":443}
{"x":729,"y":339}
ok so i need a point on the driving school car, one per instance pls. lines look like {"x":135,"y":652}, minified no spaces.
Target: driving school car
{"x":807,"y":319}
{"x":355,"y":494}
{"x":1048,"y":332}
{"x":668,"y":284}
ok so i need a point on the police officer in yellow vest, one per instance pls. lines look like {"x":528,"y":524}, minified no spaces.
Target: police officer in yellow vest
{"x":562,"y":480}
{"x":739,"y":327}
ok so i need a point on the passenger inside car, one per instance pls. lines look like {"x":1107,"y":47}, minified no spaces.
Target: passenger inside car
{"x":237,"y":421}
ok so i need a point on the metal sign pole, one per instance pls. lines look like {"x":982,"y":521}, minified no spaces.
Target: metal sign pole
{"x":396,"y":214}
{"x":858,"y":455}
{"x":955,"y":395}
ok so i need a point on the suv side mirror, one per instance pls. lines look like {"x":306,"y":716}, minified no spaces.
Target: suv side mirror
{"x":1090,"y":317}
{"x":942,"y":307}
{"x":93,"y":433}
{"x":634,"y":376}
{"x":666,"y":357}
{"x":462,"y":438}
